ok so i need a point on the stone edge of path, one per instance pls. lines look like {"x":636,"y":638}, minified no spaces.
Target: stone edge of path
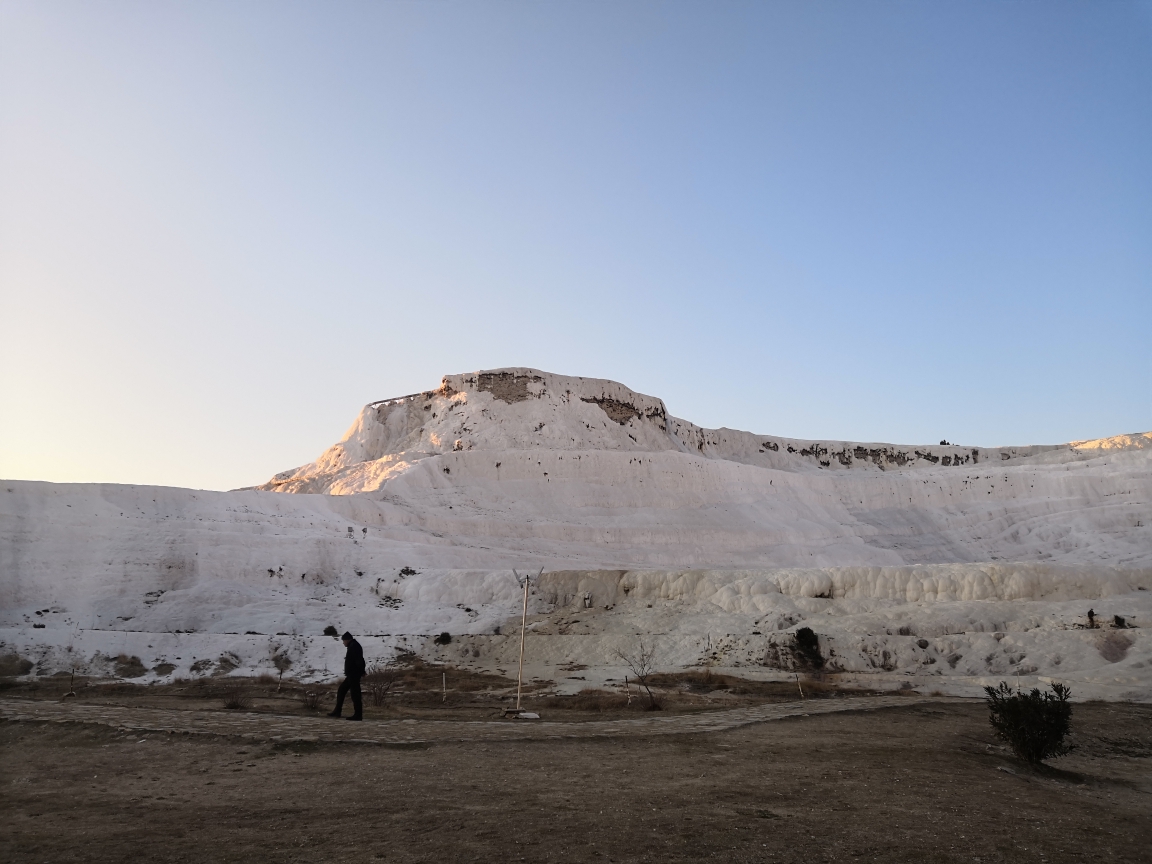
{"x":286,"y":730}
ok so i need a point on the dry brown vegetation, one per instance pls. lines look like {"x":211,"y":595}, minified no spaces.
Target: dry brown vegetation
{"x":238,"y":702}
{"x":413,"y":688}
{"x":705,"y":681}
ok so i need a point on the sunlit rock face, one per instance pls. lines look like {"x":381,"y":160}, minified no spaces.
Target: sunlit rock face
{"x":528,"y":410}
{"x":722,"y":542}
{"x":586,"y":471}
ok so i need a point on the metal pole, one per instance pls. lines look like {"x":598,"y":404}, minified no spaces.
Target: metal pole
{"x":523,"y":628}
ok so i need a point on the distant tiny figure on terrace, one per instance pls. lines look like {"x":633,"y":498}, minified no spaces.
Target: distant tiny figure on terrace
{"x":353,"y":671}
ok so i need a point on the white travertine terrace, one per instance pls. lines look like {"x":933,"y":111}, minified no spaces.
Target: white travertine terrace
{"x":936,"y":566}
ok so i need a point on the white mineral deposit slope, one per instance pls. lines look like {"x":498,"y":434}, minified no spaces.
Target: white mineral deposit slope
{"x":905,"y":560}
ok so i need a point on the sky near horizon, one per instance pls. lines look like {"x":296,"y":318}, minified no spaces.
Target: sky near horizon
{"x":226,"y":226}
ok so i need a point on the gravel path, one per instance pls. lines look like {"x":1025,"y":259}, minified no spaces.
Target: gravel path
{"x":286,"y":729}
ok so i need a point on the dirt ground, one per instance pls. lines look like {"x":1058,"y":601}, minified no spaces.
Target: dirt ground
{"x":924,"y":783}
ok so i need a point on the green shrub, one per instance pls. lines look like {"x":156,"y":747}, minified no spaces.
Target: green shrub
{"x":1033,"y":724}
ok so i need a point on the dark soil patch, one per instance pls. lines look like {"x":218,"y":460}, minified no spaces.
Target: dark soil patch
{"x":506,"y":386}
{"x":618,"y":412}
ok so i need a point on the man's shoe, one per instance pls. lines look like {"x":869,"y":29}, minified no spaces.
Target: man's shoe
{"x":354,"y":717}
{"x":333,"y":714}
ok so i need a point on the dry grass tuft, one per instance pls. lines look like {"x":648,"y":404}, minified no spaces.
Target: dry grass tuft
{"x":238,"y":702}
{"x":591,"y":700}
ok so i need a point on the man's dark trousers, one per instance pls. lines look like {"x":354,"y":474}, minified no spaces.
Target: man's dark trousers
{"x":350,"y":686}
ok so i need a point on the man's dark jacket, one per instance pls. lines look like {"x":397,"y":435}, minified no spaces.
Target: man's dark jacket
{"x":354,"y":666}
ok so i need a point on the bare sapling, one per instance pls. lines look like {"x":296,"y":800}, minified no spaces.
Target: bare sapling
{"x":642,"y":661}
{"x":379,"y":682}
{"x":283,"y":663}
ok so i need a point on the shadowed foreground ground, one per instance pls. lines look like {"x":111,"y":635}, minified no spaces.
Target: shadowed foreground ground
{"x":917,"y":783}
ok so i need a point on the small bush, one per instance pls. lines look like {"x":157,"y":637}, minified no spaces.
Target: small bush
{"x":378,"y":682}
{"x":13,"y":665}
{"x":443,"y":639}
{"x":330,"y":631}
{"x":808,"y":648}
{"x":237,"y":702}
{"x":1033,"y":724}
{"x":228,"y":662}
{"x":310,"y":699}
{"x":129,"y":667}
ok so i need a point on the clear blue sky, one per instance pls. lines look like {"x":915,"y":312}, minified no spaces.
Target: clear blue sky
{"x":225,"y":226}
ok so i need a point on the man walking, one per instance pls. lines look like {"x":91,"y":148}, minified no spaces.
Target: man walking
{"x":353,"y":670}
